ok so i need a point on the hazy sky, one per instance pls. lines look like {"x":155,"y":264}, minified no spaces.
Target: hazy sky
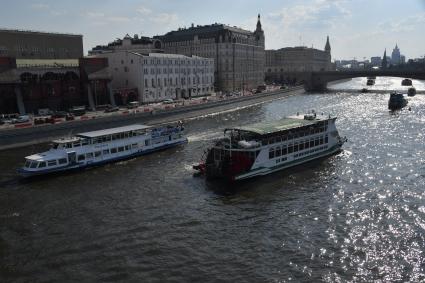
{"x":357,"y":28}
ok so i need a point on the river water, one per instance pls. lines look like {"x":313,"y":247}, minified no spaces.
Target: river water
{"x":356,"y":216}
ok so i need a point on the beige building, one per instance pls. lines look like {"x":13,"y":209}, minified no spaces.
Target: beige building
{"x":157,"y":76}
{"x":286,"y":63}
{"x":22,"y":44}
{"x":238,"y":54}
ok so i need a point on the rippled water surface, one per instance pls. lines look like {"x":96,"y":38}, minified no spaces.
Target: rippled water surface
{"x":356,"y":216}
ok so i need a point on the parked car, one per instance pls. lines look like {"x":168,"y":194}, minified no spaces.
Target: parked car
{"x":78,"y":110}
{"x":112,"y":109}
{"x":21,"y":119}
{"x":59,"y":114}
{"x":168,"y":101}
{"x":133,"y":104}
{"x":44,"y":112}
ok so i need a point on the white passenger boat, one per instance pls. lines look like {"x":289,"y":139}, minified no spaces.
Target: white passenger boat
{"x":101,"y":147}
{"x":263,"y":148}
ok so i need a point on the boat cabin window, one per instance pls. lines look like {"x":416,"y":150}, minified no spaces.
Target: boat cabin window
{"x":290,"y":148}
{"x":27,"y":163}
{"x":81,"y":157}
{"x":62,"y":161}
{"x":271,"y":153}
{"x":113,"y":150}
{"x":69,"y":145}
{"x":278,"y":151}
{"x":52,"y":163}
{"x":42,"y":164}
{"x":120,"y":149}
{"x":105,"y":151}
{"x":76,"y":144}
{"x":89,"y":155}
{"x":85,"y":142}
{"x":56,"y":146}
{"x":97,"y":153}
{"x":34,"y":164}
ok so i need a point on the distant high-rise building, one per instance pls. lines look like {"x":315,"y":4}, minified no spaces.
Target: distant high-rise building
{"x":376,"y":61}
{"x":395,"y":56}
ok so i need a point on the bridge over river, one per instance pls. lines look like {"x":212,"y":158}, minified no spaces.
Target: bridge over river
{"x":317,"y":81}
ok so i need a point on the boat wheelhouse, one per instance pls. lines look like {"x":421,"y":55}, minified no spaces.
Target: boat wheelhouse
{"x":263,"y":148}
{"x":101,"y":147}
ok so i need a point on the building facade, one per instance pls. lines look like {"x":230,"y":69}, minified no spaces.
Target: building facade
{"x":238,"y":54}
{"x":136,"y":44}
{"x":46,"y":70}
{"x":156,"y":76}
{"x":286,"y":64}
{"x":40,"y":45}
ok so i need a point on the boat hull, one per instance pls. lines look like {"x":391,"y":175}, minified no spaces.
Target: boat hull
{"x":81,"y":166}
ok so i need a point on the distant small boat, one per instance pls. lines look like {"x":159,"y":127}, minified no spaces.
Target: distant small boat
{"x":411,"y":91}
{"x":406,"y":82}
{"x":370,"y":82}
{"x":397,"y":101}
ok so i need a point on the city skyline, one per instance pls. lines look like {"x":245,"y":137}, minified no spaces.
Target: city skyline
{"x":349,"y":24}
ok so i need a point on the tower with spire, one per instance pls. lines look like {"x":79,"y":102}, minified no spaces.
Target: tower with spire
{"x":259,"y":33}
{"x":328,"y":45}
{"x":384,"y":60}
{"x":328,"y":53}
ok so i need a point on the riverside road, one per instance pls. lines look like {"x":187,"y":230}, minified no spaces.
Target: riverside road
{"x":28,"y":136}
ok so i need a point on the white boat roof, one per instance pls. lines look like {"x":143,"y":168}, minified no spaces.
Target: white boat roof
{"x":66,"y":140}
{"x":47,"y":155}
{"x":113,"y":131}
{"x":284,"y":124}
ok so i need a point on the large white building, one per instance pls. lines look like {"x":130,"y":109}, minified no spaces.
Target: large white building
{"x":156,"y":76}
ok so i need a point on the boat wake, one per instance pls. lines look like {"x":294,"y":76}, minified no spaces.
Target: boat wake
{"x":205,"y":136}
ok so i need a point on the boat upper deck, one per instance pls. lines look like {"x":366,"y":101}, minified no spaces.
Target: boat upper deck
{"x":113,"y":131}
{"x":284,"y":124}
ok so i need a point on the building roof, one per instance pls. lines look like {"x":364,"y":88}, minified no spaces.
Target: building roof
{"x":113,"y":131}
{"x":284,"y":124}
{"x":200,"y":31}
{"x":39,"y":32}
{"x":49,"y":63}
